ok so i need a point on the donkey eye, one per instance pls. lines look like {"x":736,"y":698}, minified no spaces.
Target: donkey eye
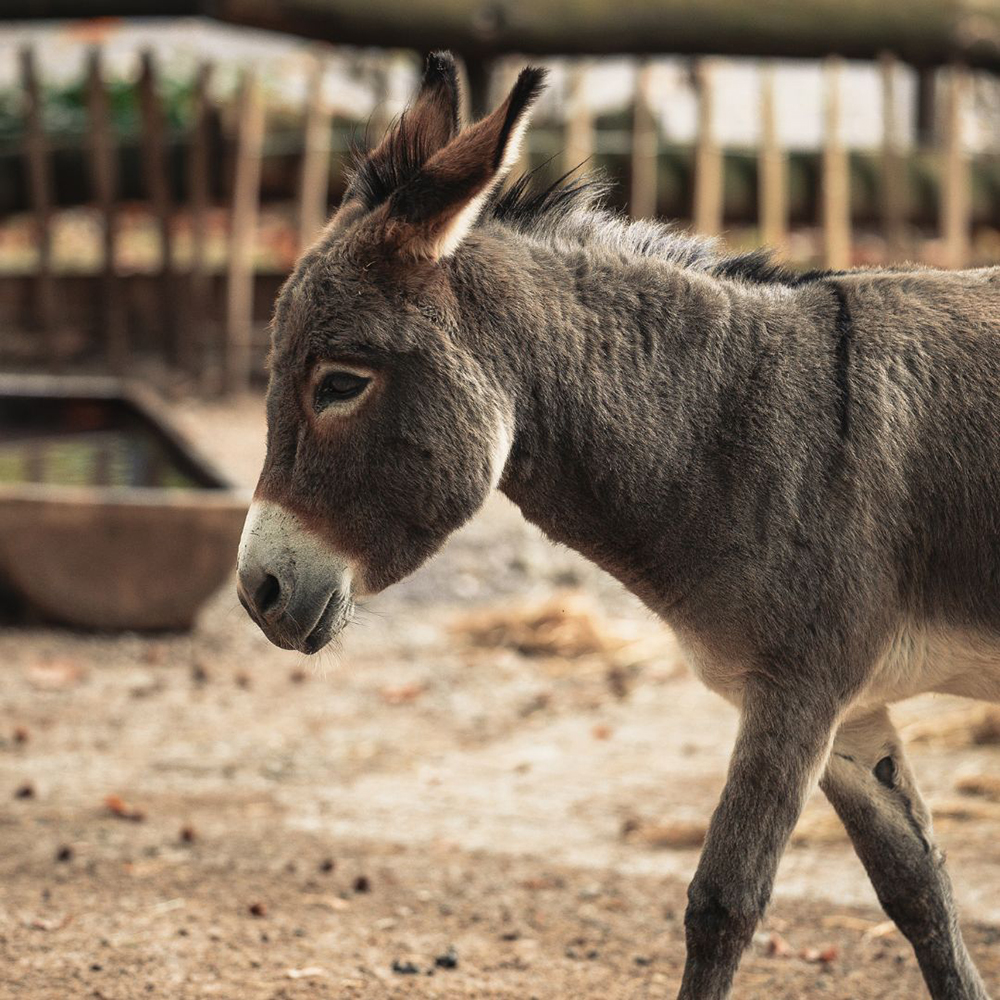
{"x":336,"y":387}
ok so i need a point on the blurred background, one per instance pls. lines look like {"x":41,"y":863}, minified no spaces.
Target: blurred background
{"x":498,"y":784}
{"x":159,"y":175}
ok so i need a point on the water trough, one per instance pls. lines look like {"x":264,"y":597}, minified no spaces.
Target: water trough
{"x":108,"y":518}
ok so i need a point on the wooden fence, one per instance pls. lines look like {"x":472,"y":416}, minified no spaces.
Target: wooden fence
{"x":212,"y":326}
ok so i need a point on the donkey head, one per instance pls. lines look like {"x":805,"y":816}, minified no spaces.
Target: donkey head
{"x":384,"y":433}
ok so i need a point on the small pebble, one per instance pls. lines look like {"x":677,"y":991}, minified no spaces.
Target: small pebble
{"x":405,"y":968}
{"x":155,"y":653}
{"x":26,"y":791}
{"x":258,"y":910}
{"x":65,"y":853}
{"x":449,"y":960}
{"x":362,"y":884}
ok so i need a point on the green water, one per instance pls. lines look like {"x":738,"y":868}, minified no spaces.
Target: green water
{"x":95,"y":458}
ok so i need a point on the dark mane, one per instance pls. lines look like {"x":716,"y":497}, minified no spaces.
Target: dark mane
{"x":571,"y":210}
{"x":522,"y":206}
{"x":760,"y":268}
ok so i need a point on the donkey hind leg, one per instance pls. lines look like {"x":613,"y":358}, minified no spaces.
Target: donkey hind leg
{"x":782,"y":746}
{"x":870,"y":783}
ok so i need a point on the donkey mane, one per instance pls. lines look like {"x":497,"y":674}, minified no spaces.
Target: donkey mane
{"x":571,"y":210}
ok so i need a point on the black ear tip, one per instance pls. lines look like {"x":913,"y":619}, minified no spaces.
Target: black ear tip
{"x":440,"y":65}
{"x":530,"y":83}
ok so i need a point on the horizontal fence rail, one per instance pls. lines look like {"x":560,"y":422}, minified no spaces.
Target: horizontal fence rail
{"x":204,"y":320}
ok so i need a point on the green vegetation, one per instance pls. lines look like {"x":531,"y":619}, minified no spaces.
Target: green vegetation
{"x":64,"y":109}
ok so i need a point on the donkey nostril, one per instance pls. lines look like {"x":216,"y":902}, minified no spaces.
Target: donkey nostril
{"x":267,"y":594}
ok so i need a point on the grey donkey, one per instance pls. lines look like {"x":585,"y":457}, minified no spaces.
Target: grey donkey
{"x":800,"y":474}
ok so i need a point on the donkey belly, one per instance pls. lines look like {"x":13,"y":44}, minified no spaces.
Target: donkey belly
{"x":925,"y":658}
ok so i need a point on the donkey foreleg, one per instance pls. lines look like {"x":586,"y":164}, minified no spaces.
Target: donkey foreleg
{"x":870,"y":784}
{"x":784,"y":739}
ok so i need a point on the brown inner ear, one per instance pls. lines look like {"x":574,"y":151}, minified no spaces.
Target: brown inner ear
{"x":423,"y":129}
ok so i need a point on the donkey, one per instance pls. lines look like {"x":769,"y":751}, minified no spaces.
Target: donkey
{"x":799,"y":474}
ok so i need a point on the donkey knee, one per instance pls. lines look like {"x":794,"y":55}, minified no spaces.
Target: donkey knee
{"x":719,"y":921}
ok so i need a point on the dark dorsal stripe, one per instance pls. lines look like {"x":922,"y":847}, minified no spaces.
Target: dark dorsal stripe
{"x":844,"y":326}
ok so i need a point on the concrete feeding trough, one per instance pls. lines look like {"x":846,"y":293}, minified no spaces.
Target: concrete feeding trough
{"x":108,"y":519}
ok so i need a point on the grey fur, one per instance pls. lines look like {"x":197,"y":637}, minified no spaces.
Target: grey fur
{"x":800,"y":475}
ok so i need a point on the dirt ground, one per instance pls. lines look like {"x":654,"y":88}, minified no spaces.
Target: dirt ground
{"x":495,"y":787}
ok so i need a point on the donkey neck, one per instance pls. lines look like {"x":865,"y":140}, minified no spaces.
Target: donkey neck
{"x":622,"y":374}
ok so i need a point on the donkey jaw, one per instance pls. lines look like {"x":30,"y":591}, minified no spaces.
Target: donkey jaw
{"x":297,"y":591}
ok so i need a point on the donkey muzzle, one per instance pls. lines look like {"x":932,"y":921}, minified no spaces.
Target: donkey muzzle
{"x":290,"y":583}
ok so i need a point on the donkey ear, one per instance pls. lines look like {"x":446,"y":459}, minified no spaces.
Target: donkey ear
{"x":435,"y":111}
{"x":427,"y":125}
{"x":428,"y":216}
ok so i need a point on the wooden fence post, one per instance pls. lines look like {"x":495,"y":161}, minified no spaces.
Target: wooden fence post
{"x":104,"y":182}
{"x":927,"y":105}
{"x":314,"y":181}
{"x":955,"y":201}
{"x":579,"y":136}
{"x":707,"y":210}
{"x":772,"y":171}
{"x":642,"y":197}
{"x":158,"y":189}
{"x":199,"y":198}
{"x":894,"y":180}
{"x":243,"y":225}
{"x":39,"y":173}
{"x":836,"y":198}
